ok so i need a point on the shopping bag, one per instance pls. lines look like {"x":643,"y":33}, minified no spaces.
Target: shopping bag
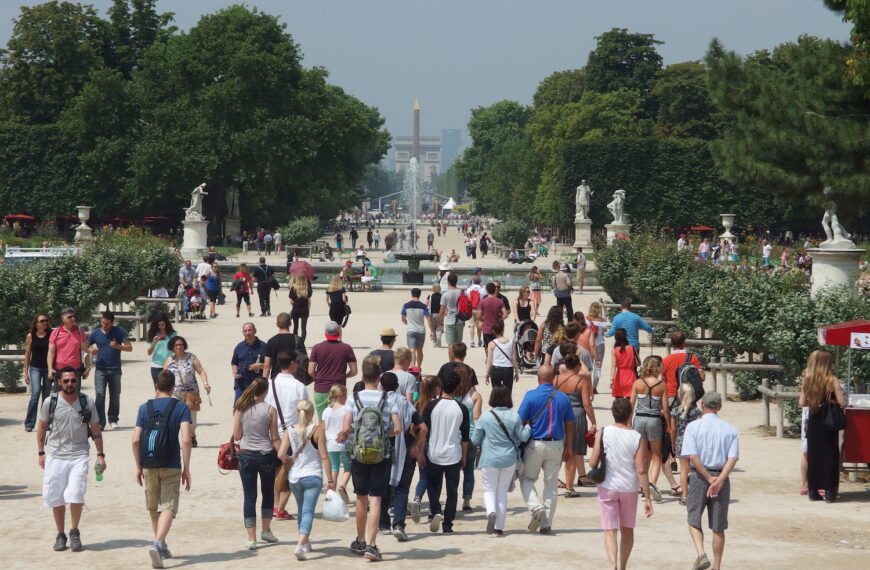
{"x":334,"y":508}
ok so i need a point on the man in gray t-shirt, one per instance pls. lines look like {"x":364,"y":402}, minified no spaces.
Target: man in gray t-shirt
{"x":449,"y":311}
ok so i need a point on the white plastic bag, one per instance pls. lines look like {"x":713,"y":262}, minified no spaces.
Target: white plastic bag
{"x":334,"y":508}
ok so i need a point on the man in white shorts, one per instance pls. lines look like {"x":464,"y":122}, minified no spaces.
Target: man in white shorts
{"x":68,"y":418}
{"x":416,"y":314}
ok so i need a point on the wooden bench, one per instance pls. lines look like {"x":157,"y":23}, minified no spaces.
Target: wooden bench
{"x":176,"y":304}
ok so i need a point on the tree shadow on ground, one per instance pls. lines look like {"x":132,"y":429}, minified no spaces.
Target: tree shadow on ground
{"x":115,"y":544}
{"x":214,"y":557}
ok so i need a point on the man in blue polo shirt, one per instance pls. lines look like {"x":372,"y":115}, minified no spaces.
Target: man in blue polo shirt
{"x":549,"y":413}
{"x":107,"y":342}
{"x":247,"y":361}
{"x":631,"y":322}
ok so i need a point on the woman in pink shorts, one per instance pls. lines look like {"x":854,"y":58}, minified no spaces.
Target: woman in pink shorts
{"x":626,"y":471}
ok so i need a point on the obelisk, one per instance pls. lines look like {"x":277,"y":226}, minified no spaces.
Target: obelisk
{"x":415,"y":142}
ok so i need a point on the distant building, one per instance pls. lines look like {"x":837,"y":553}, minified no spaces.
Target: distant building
{"x":451,"y":147}
{"x":430,"y":155}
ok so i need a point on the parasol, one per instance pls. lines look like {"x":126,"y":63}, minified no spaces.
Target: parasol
{"x":302,"y":268}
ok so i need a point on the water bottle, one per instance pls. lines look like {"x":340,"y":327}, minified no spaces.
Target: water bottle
{"x":98,"y":469}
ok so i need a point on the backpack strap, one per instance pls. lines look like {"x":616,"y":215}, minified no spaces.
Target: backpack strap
{"x":503,"y":428}
{"x":278,"y":404}
{"x":382,"y":401}
{"x":357,"y":402}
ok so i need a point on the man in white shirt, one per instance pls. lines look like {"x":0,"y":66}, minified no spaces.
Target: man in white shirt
{"x":712,"y":447}
{"x":203,"y":268}
{"x":284,"y":393}
{"x":766,"y":250}
{"x":682,"y":243}
{"x":407,"y":381}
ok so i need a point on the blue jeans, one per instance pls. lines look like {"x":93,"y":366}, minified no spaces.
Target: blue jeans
{"x":108,"y":378}
{"x":306,"y":490}
{"x":468,"y":473}
{"x":400,"y":493}
{"x":154,"y":373}
{"x":239,"y":386}
{"x":422,"y":483}
{"x":252,"y":464}
{"x":450,"y":475}
{"x":40,"y":389}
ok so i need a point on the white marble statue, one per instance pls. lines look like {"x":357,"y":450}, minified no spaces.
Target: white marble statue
{"x":232,"y":197}
{"x":836,"y":234}
{"x":194,"y":212}
{"x":581,"y":200}
{"x":617,"y":207}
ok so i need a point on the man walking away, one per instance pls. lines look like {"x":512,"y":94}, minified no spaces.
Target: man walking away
{"x":68,"y":418}
{"x":491,"y":310}
{"x":106,"y":344}
{"x":549,"y":413}
{"x":160,"y":462}
{"x":385,"y":352}
{"x":450,"y":310}
{"x":265,"y":276}
{"x":629,"y":321}
{"x":580,"y":260}
{"x":416,"y":314}
{"x":371,"y":461}
{"x":562,"y":288}
{"x":444,"y":417}
{"x":712,"y":447}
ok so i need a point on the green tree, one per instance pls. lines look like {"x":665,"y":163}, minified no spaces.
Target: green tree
{"x":133,"y":26}
{"x":685,"y":109}
{"x":623,"y":60}
{"x":53,"y":50}
{"x":858,"y":61}
{"x":560,"y":87}
{"x":794,"y":122}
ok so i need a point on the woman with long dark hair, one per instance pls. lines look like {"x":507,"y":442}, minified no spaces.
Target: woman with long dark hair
{"x":255,"y":427}
{"x":160,"y":333}
{"x":547,"y":329}
{"x":36,"y":367}
{"x":820,"y":389}
{"x":623,"y":362}
{"x":468,"y":396}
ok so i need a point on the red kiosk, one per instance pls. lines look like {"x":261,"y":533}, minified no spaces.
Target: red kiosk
{"x":854,"y":335}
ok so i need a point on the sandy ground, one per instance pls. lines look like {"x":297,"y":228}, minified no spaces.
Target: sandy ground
{"x":771,"y":526}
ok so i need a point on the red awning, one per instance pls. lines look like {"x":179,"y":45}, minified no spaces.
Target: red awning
{"x":20,"y":218}
{"x":702,"y":229}
{"x":841,"y":334}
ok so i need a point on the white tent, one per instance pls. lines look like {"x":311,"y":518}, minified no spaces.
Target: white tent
{"x":449,"y":205}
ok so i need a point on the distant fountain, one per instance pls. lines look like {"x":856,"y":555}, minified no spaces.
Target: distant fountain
{"x":411,"y":188}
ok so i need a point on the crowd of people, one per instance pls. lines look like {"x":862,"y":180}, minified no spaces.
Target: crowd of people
{"x":302,"y":429}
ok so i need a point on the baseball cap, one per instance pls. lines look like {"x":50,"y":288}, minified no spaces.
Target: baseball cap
{"x":414,"y":370}
{"x":332,"y":330}
{"x":712,"y":399}
{"x":389,"y":331}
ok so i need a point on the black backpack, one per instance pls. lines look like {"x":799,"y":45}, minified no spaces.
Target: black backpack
{"x":687,"y":372}
{"x":155,"y":449}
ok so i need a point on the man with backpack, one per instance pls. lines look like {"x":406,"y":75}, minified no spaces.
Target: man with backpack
{"x":680,"y":366}
{"x":445,"y":457}
{"x":66,"y":420}
{"x":161,"y":463}
{"x":475,"y":293}
{"x":265,"y":276}
{"x":449,"y":312}
{"x":283,"y":340}
{"x":371,"y":418}
{"x":491,"y":310}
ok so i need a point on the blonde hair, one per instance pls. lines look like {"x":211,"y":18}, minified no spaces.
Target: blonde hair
{"x":336,"y":392}
{"x":686,"y":395}
{"x":816,"y":378}
{"x":436,"y":288}
{"x":559,"y":335}
{"x":306,"y":414}
{"x":596,"y":310}
{"x":300,"y":283}
{"x":401,"y":354}
{"x":334,"y":284}
{"x":651,"y":367}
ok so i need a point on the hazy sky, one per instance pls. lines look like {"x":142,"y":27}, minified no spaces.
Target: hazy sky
{"x":455,"y":55}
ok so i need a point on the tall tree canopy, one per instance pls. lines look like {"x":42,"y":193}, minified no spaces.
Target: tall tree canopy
{"x":623,"y":60}
{"x":795,"y":123}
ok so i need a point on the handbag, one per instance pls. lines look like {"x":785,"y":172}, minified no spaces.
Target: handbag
{"x":193,"y":401}
{"x":228,"y":457}
{"x":347,"y":310}
{"x":833,"y":416}
{"x":597,"y":474}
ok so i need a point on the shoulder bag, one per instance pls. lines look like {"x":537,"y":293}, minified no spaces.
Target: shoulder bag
{"x":228,"y":457}
{"x":833,"y":416}
{"x":597,"y":474}
{"x":520,"y":466}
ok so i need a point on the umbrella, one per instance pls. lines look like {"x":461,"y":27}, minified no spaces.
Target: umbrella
{"x":302,"y":268}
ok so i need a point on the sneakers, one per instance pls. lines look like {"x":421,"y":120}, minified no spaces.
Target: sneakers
{"x":358,"y":547}
{"x":654,"y":493}
{"x":490,"y":523}
{"x":156,"y":557}
{"x":701,"y":563}
{"x":415,"y":511}
{"x":546,"y":530}
{"x":113,"y":425}
{"x":75,"y":540}
{"x":60,"y":542}
{"x":399,"y":533}
{"x":267,"y":536}
{"x":193,"y":442}
{"x":467,"y":509}
{"x":538,"y":515}
{"x":307,"y":547}
{"x":435,"y":522}
{"x":372,"y":553}
{"x":385,"y":531}
{"x":251,"y":545}
{"x":164,"y":550}
{"x":299,"y":552}
{"x":28,"y":428}
{"x":282,"y":515}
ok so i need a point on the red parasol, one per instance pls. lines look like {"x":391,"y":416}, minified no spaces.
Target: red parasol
{"x":19,"y":218}
{"x":845,"y":334}
{"x":302,"y":268}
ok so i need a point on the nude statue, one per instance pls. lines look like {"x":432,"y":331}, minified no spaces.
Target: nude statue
{"x":581,"y":200}
{"x":617,"y":207}
{"x":194,"y":212}
{"x":834,"y":231}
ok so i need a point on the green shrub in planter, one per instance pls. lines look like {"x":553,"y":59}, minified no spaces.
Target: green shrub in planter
{"x":659,"y":268}
{"x":302,"y":230}
{"x":511,"y":233}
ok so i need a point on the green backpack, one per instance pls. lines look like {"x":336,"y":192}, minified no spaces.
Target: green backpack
{"x":370,"y":443}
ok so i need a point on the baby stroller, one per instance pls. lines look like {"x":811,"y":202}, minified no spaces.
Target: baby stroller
{"x":525,"y":334}
{"x":193,"y":304}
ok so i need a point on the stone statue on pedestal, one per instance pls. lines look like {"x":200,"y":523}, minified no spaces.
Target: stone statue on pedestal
{"x":194,"y":212}
{"x":232,"y":197}
{"x":617,"y":207}
{"x":581,"y":201}
{"x":836,"y":234}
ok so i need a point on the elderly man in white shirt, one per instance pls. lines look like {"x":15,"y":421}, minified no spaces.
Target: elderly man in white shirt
{"x":712,"y":447}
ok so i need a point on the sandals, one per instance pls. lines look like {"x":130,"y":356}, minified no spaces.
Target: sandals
{"x":587,"y":483}
{"x":571,"y":494}
{"x":561,"y":484}
{"x":676,"y":491}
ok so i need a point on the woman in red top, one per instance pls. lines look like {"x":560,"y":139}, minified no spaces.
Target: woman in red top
{"x":244,"y":291}
{"x":624,"y":365}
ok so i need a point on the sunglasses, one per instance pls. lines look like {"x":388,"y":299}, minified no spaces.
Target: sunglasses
{"x":42,"y":320}
{"x":69,"y":381}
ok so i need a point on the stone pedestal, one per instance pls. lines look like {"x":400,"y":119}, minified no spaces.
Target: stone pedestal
{"x":195,"y":235}
{"x":232,"y":229}
{"x":616,"y":229}
{"x":582,"y":232}
{"x":83,"y":230}
{"x":834,"y":267}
